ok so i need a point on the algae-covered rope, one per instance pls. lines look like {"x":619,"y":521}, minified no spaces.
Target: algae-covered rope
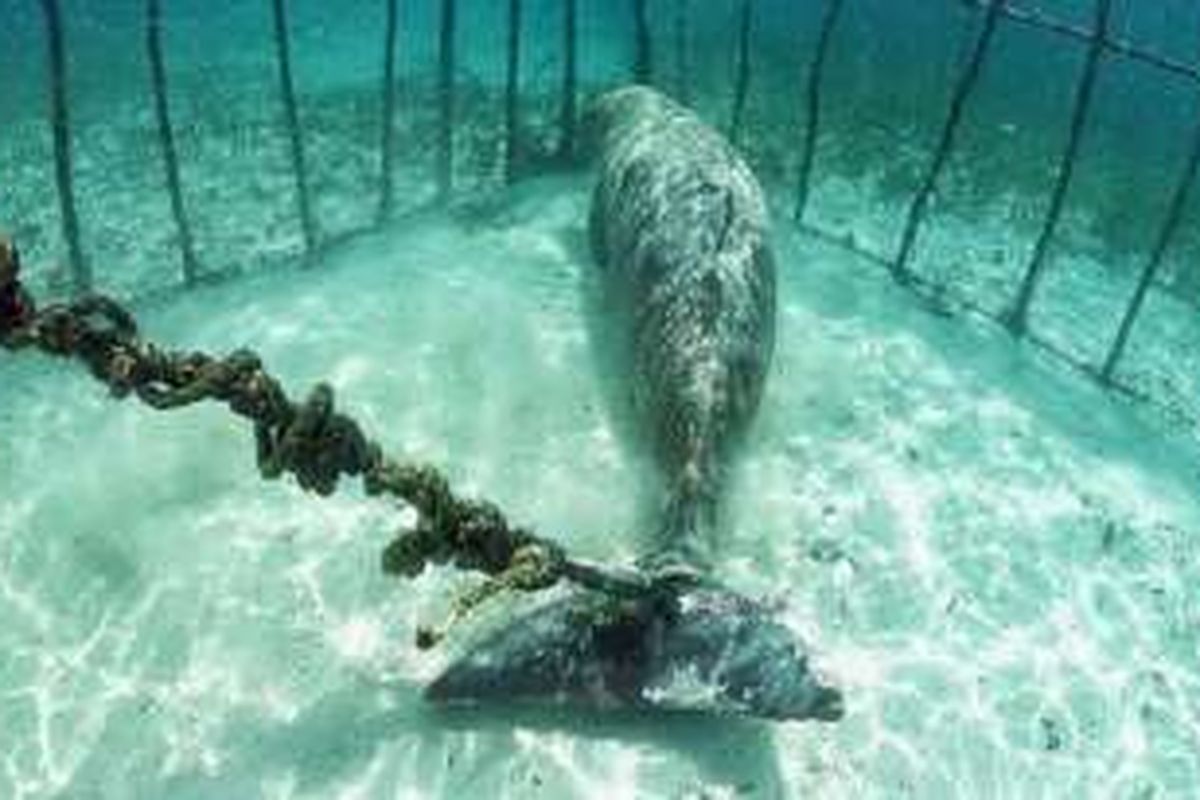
{"x":309,"y":440}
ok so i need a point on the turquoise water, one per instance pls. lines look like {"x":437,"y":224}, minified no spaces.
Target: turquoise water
{"x":992,"y":556}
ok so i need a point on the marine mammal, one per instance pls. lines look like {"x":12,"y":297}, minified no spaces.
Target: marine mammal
{"x":678,"y":229}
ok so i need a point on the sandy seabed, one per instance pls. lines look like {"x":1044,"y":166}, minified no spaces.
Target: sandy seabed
{"x":995,"y":560}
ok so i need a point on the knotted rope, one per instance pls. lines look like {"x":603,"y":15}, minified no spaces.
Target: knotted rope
{"x":310,"y":440}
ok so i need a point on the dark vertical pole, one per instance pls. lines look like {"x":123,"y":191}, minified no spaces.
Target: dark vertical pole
{"x":1017,"y":317}
{"x":1175,"y":214}
{"x":683,"y":78}
{"x":568,"y":116}
{"x":742,"y":78}
{"x":292,"y":121}
{"x":958,"y":103}
{"x":816,"y":77}
{"x":81,"y":274}
{"x":512,"y":93}
{"x":445,"y":153}
{"x":166,"y":140}
{"x":387,"y":137}
{"x":643,"y":70}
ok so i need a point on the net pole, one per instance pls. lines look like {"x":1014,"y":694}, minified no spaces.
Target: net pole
{"x":742,"y":77}
{"x":166,"y":142}
{"x":295,"y":136}
{"x":387,"y":137}
{"x":1017,"y":317}
{"x":962,"y":93}
{"x":683,"y":77}
{"x":643,"y":69}
{"x":1166,"y":234}
{"x":60,"y":126}
{"x":512,"y":94}
{"x":568,"y":114}
{"x":445,"y":94}
{"x":812,"y":103}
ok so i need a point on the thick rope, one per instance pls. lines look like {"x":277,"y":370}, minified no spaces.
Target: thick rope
{"x":309,"y":440}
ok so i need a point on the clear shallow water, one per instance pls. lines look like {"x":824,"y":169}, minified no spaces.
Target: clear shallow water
{"x":995,"y":561}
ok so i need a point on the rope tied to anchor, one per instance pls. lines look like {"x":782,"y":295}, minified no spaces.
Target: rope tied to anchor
{"x":310,"y":440}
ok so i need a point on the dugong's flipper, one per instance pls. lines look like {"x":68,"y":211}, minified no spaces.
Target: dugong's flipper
{"x":703,"y":650}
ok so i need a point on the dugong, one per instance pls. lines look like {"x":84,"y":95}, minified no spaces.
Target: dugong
{"x":679,"y":235}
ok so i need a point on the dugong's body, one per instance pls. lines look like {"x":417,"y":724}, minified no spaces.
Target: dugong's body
{"x":678,"y":228}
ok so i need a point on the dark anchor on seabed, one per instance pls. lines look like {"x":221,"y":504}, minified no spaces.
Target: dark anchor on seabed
{"x":619,"y":637}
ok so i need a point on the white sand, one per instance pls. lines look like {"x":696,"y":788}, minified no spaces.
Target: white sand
{"x":995,"y":560}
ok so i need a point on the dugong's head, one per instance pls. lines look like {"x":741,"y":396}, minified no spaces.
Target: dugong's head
{"x":618,"y":113}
